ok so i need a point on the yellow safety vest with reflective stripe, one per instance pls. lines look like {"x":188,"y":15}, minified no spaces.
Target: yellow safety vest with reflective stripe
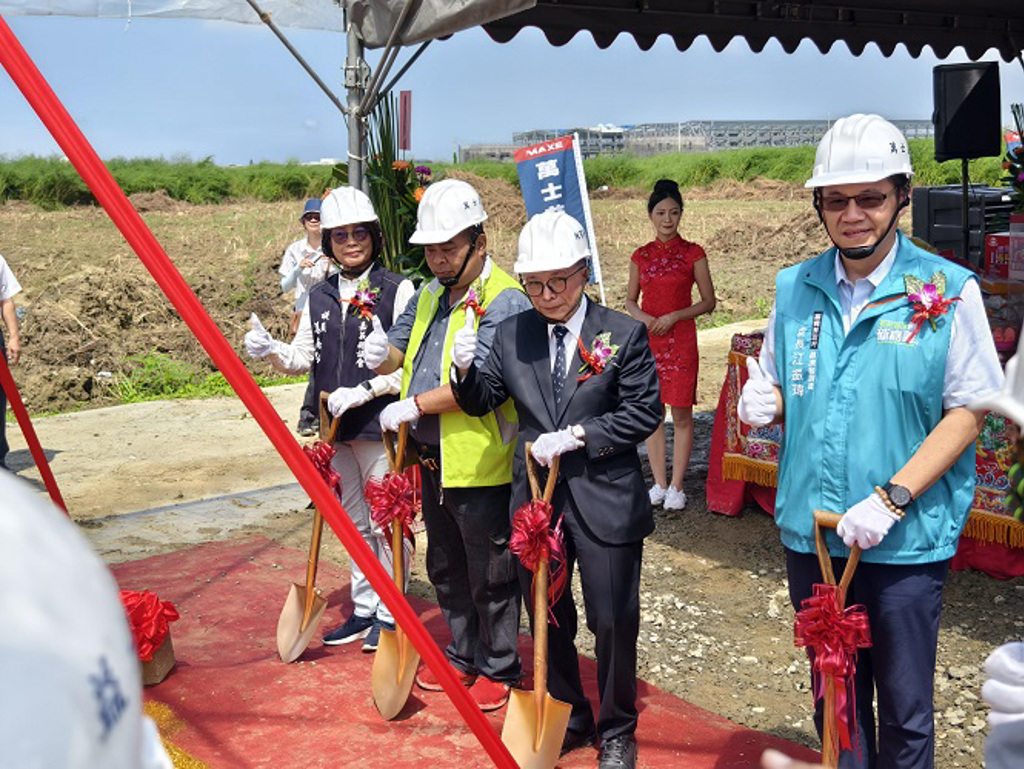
{"x":475,"y":451}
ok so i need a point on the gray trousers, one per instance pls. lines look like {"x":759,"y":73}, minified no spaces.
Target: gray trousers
{"x":474,"y":575}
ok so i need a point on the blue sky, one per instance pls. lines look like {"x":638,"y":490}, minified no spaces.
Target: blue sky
{"x":170,"y":87}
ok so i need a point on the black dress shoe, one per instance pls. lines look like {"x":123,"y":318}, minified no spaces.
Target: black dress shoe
{"x":618,"y":753}
{"x":574,"y":739}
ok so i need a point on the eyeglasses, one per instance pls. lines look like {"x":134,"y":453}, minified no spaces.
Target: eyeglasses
{"x":359,"y":234}
{"x":311,"y":217}
{"x":867,"y":201}
{"x":554,"y":285}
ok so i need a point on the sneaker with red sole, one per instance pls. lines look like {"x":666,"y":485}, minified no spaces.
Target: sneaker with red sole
{"x":426,"y":680}
{"x":489,"y":695}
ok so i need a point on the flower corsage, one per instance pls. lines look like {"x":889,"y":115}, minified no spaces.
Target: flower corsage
{"x":474,"y":296}
{"x":365,"y":299}
{"x":927,"y":300}
{"x":597,"y":357}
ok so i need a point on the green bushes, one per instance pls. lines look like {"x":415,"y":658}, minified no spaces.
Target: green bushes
{"x":156,"y":376}
{"x":52,"y":182}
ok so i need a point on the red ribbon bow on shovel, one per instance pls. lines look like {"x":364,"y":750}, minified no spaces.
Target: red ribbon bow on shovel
{"x":148,"y":619}
{"x":533,"y":539}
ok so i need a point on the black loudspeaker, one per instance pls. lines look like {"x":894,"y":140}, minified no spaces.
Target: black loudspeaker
{"x":967,"y":111}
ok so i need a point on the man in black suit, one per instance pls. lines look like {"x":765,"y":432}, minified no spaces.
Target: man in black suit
{"x":583,"y":381}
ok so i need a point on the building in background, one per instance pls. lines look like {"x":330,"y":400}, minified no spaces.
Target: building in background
{"x":684,"y":137}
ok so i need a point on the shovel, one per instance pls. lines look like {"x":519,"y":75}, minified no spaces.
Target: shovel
{"x":829,"y":747}
{"x":396,"y":660}
{"x":304,"y":606}
{"x":535,"y":723}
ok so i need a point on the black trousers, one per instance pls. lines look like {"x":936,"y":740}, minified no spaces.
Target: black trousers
{"x":310,"y":411}
{"x":610,"y":576}
{"x":903,"y":605}
{"x":474,"y":575}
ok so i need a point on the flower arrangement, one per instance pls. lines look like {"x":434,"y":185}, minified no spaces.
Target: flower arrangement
{"x":474,"y":296}
{"x":597,"y":357}
{"x":1013,"y":165}
{"x":927,"y":300}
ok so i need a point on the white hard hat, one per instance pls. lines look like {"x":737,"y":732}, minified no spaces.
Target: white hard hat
{"x":551,"y":240}
{"x":448,"y":207}
{"x":859,"y":149}
{"x":345,"y":205}
{"x":1009,"y":400}
{"x":72,"y":692}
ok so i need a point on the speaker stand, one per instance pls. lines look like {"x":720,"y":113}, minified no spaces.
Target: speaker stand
{"x":966,"y":223}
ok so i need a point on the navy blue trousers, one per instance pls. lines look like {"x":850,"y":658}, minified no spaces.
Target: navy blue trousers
{"x":903,"y":605}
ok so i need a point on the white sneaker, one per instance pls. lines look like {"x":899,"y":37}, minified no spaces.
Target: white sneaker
{"x":674,"y":499}
{"x":657,"y":494}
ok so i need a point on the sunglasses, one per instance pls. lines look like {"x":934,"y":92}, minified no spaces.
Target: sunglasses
{"x":554,"y":285}
{"x":311,"y":218}
{"x":865,"y":201}
{"x":358,"y":234}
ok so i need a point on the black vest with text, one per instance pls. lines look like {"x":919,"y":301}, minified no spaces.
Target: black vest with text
{"x":338,"y":331}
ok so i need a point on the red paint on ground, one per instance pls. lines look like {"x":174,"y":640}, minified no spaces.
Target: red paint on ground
{"x":242,"y":707}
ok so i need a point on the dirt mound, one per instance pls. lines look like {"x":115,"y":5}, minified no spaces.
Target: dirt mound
{"x":154,"y":201}
{"x":502,"y":200}
{"x":797,"y":238}
{"x":755,"y":189}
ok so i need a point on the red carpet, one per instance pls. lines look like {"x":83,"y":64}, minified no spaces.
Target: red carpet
{"x":236,"y":705}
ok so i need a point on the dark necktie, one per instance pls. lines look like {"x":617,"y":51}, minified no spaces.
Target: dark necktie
{"x":558,"y":372}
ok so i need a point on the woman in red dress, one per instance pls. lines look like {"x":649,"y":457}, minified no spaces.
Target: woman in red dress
{"x":664,"y":272}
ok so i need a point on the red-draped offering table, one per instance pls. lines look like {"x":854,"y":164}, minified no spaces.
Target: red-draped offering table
{"x":743,"y":466}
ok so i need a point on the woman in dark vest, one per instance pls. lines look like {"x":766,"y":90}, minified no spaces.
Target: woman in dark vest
{"x":336,"y":319}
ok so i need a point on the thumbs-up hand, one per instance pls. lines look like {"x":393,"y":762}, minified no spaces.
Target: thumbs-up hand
{"x":258,"y":343}
{"x":376,"y":346}
{"x":464,"y":343}
{"x":757,"y":406}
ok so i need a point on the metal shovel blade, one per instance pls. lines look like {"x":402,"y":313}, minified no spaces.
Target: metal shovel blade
{"x":394,"y":670}
{"x":292,"y":637}
{"x":533,"y":744}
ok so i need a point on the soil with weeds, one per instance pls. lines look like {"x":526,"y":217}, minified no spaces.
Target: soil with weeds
{"x":716,"y":620}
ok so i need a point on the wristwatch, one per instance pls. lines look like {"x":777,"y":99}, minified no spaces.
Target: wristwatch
{"x":365,"y":384}
{"x":898,"y":495}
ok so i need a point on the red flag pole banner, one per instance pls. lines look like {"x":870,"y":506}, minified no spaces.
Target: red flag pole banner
{"x":21,"y":413}
{"x":48,"y":107}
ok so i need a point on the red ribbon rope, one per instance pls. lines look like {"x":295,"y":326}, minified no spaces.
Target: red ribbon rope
{"x":833,"y":635}
{"x":47,"y":106}
{"x":392,"y":498}
{"x":148,"y":619}
{"x":534,"y":539}
{"x":921,"y":313}
{"x":29,"y":432}
{"x":321,"y":454}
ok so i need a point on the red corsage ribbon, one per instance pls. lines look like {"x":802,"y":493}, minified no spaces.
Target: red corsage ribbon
{"x":361,"y":308}
{"x":593,"y":362}
{"x":533,"y":539}
{"x":392,"y":499}
{"x":472,"y":300}
{"x":148,"y":619}
{"x":928,"y":304}
{"x":833,"y":636}
{"x":321,"y":454}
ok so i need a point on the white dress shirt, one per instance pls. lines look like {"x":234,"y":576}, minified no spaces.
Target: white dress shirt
{"x":570,"y":340}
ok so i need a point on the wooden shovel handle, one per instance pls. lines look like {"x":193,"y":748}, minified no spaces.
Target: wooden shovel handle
{"x":827,"y":520}
{"x":531,"y":474}
{"x":396,"y":458}
{"x":328,"y":425}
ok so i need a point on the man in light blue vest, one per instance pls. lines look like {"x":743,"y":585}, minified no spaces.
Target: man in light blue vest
{"x":872,"y":352}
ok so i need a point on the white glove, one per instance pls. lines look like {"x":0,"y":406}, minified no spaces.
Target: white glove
{"x":551,"y":445}
{"x":398,"y":412}
{"x":866,"y":522}
{"x":464,"y":342}
{"x":376,"y":346}
{"x":345,"y":398}
{"x":757,"y":406}
{"x":258,"y":343}
{"x":1004,"y":689}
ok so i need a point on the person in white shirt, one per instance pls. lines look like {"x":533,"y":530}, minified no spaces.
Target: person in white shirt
{"x":302,"y":267}
{"x":339,"y":314}
{"x":11,"y":347}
